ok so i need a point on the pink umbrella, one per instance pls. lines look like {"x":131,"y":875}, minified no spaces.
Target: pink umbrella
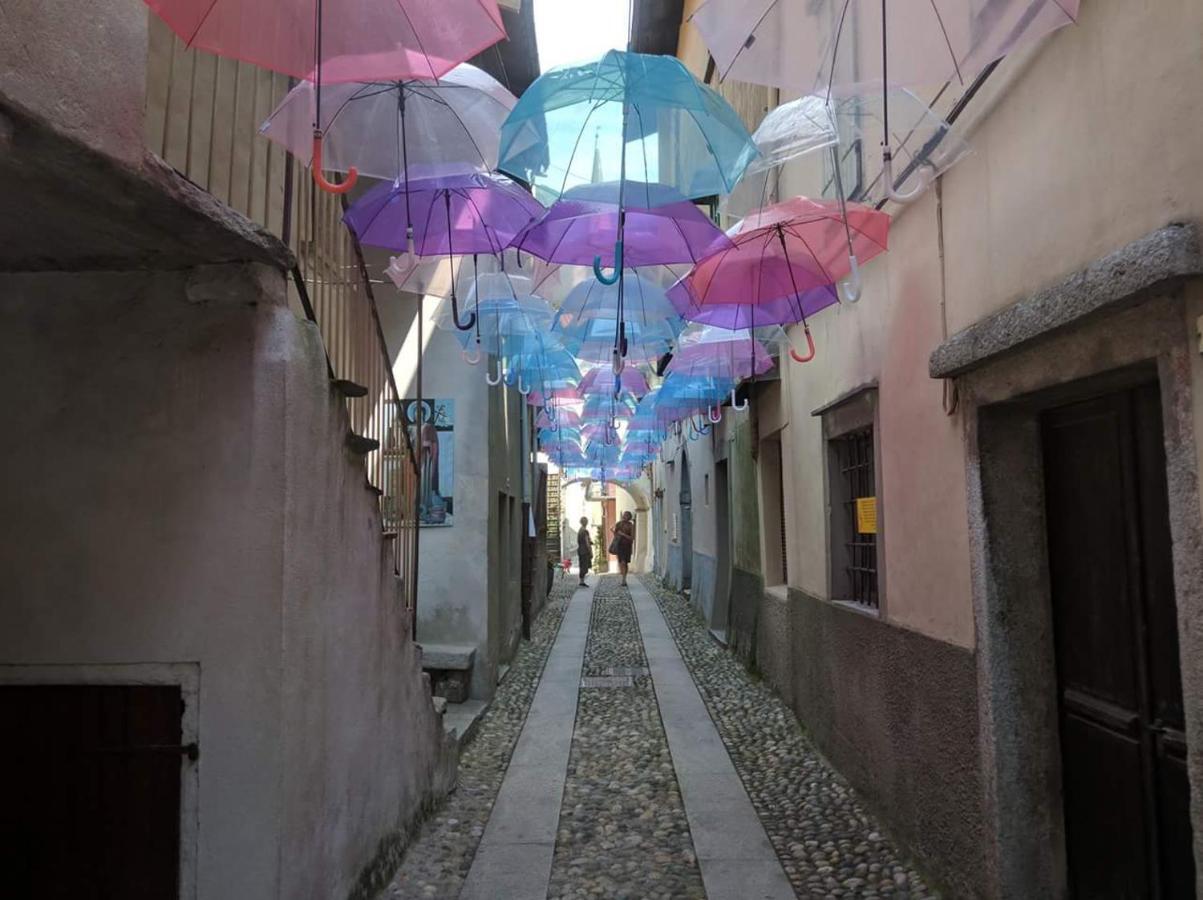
{"x":780,"y":256}
{"x":327,"y":41}
{"x":602,"y":380}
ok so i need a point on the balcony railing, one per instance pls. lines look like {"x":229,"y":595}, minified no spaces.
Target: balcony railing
{"x":202,"y":116}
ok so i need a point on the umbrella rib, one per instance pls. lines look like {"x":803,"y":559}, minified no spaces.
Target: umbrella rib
{"x":727,"y":71}
{"x":835,"y":47}
{"x":944,"y":31}
{"x":201,"y":23}
{"x":417,"y":37}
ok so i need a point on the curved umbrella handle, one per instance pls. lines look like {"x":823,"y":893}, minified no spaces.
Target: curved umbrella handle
{"x":710,"y":414}
{"x":316,"y":164}
{"x":850,"y":289}
{"x":462,"y":326}
{"x":493,"y":382}
{"x":471,"y":358}
{"x":602,"y":276}
{"x":887,"y":177}
{"x":810,"y":343}
{"x":740,"y":407}
{"x":524,"y":390}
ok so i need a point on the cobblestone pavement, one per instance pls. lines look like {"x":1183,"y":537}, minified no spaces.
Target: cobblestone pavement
{"x":437,"y":861}
{"x":623,"y":831}
{"x":826,"y":841}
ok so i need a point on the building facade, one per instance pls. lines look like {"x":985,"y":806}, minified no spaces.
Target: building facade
{"x":978,"y":563}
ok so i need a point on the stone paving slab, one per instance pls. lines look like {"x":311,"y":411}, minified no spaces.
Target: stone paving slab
{"x":522,"y":825}
{"x":736,"y":858}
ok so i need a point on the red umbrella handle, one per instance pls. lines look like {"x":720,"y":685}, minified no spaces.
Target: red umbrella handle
{"x":810,"y":343}
{"x":329,"y":186}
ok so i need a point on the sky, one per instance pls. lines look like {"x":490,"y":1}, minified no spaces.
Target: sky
{"x":571,"y":31}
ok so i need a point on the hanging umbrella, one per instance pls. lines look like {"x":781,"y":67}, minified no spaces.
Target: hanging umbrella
{"x":784,"y":263}
{"x":716,"y":352}
{"x":381,"y":128}
{"x":631,"y":103}
{"x":603,"y":381}
{"x":646,"y":304}
{"x":444,"y":214}
{"x":842,"y":47}
{"x":661,"y":227}
{"x":332,"y":41}
{"x":593,"y":341}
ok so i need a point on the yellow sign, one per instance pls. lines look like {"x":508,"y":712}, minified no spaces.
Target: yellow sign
{"x":866,"y":515}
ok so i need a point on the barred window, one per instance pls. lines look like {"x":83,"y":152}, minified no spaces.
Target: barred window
{"x":854,"y":533}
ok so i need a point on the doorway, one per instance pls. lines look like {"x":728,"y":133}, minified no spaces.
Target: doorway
{"x":92,"y":786}
{"x":1125,"y":785}
{"x":685,"y":495}
{"x":722,"y":586}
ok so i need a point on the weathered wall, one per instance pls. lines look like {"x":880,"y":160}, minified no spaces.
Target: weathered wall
{"x":184,"y":496}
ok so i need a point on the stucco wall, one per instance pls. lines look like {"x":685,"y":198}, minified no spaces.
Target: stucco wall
{"x":184,"y":496}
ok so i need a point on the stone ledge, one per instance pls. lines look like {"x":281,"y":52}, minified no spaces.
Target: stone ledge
{"x":444,"y":657}
{"x":1165,"y":256}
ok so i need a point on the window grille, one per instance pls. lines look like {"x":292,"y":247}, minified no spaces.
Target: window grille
{"x":781,"y":524}
{"x":854,"y":457}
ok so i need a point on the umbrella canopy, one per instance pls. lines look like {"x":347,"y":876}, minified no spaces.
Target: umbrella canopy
{"x":646,"y":303}
{"x":593,"y":341}
{"x":710,"y":351}
{"x":344,"y":40}
{"x":784,"y":262}
{"x":812,"y":45}
{"x":922,"y":142}
{"x":660,"y":226}
{"x":383,"y":128}
{"x":608,"y":120}
{"x":602,"y":380}
{"x":450,"y":212}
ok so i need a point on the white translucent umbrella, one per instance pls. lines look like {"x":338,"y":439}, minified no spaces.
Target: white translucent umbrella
{"x":383,"y":128}
{"x":846,"y":47}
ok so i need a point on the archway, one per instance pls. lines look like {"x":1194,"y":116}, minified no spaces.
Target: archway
{"x":621,"y":496}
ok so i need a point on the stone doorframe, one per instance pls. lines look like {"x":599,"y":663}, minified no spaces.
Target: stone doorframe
{"x":1122,"y":320}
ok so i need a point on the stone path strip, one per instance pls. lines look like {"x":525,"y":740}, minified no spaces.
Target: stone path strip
{"x":515,"y":854}
{"x":829,"y":845}
{"x":437,"y":860}
{"x":623,"y":831}
{"x":737,"y":860}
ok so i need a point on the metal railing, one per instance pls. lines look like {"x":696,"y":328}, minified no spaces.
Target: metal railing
{"x":202,"y":117}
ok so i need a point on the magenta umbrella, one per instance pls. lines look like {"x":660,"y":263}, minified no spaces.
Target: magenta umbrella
{"x":327,"y":41}
{"x":444,"y":214}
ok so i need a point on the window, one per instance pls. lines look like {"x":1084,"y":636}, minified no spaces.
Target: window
{"x":854,"y":525}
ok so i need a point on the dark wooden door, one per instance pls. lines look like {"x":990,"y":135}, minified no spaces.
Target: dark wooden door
{"x":90,"y":792}
{"x":1125,"y":785}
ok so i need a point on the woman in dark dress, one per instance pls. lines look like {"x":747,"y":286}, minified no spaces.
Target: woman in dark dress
{"x":584,"y":549}
{"x":623,"y":544}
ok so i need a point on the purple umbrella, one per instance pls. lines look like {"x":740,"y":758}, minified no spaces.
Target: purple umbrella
{"x":581,"y":226}
{"x":604,"y":381}
{"x":444,"y":213}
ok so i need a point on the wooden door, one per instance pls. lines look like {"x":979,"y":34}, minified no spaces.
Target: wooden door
{"x":90,"y":791}
{"x":1123,"y":748}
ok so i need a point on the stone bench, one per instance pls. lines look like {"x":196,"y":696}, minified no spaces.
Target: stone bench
{"x":450,"y":669}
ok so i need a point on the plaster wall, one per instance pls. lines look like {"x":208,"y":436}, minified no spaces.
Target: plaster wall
{"x":90,"y":91}
{"x":184,"y":497}
{"x":453,"y":573}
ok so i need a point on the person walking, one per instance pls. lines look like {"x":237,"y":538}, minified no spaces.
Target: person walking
{"x":584,"y":550}
{"x":623,"y":544}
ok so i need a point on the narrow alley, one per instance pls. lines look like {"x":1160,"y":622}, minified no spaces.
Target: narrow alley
{"x":626,"y":755}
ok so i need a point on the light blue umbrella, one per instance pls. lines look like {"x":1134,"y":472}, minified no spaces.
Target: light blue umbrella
{"x":625,"y":118}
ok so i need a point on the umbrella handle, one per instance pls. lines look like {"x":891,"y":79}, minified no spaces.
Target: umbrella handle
{"x":493,"y":382}
{"x":602,"y":276}
{"x":810,"y":343}
{"x":523,"y":390}
{"x":887,"y":177}
{"x":710,"y":414}
{"x":471,"y":358}
{"x":850,"y":289}
{"x":740,"y":407}
{"x":617,"y":364}
{"x":316,"y":164}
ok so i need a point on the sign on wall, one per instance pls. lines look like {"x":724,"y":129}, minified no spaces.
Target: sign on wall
{"x":866,"y":515}
{"x":436,"y":455}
